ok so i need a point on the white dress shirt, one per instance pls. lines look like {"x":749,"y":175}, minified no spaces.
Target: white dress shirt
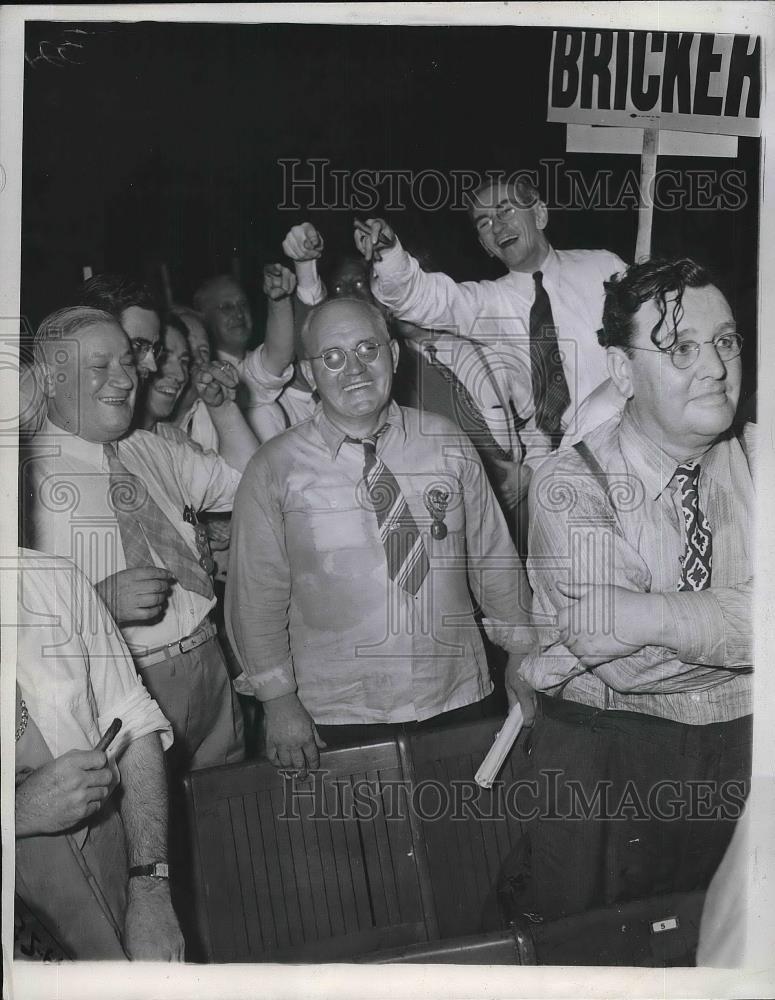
{"x":291,"y":407}
{"x":69,"y":512}
{"x":73,"y":667}
{"x":259,"y":387}
{"x":197,"y":423}
{"x":497,"y":314}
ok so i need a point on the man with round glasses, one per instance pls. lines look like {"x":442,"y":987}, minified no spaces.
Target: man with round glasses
{"x":641,"y":555}
{"x":356,"y":536}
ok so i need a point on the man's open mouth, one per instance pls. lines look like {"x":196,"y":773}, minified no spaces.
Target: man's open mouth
{"x":167,"y":389}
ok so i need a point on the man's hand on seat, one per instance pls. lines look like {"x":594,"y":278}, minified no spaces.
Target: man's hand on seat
{"x":292,"y":741}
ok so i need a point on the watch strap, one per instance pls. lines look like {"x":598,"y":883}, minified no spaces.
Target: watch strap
{"x":159,"y":869}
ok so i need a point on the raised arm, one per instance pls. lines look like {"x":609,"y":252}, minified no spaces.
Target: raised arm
{"x":303,"y":245}
{"x":279,"y":285}
{"x":430,"y":300}
{"x":216,"y":383}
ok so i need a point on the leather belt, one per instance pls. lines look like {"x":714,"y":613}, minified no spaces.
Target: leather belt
{"x":203,"y":634}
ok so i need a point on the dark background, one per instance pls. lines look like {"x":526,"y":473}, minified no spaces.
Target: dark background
{"x":159,"y":142}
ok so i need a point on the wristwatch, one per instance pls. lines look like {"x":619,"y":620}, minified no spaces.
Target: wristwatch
{"x":159,"y":869}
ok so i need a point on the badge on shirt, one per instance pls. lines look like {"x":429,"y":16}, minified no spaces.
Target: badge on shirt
{"x":206,"y":560}
{"x":436,"y":502}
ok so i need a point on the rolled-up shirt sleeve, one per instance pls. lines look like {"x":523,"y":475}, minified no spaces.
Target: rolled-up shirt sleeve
{"x":73,"y":666}
{"x":263,"y":387}
{"x":258,"y":586}
{"x":714,"y":627}
{"x":311,"y":294}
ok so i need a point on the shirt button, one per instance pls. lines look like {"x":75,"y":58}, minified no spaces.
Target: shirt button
{"x":333,"y":503}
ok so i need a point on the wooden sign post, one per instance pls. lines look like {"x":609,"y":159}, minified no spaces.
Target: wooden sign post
{"x":648,"y":171}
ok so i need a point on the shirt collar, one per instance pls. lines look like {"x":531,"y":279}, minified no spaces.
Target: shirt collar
{"x":654,"y":467}
{"x":333,"y":436}
{"x":78,"y":448}
{"x":549,"y":268}
{"x":73,"y":446}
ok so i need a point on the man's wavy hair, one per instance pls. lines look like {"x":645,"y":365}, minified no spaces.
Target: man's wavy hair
{"x":650,"y":281}
{"x":114,"y":293}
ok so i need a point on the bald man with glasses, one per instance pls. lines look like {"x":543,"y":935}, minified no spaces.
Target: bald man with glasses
{"x":356,"y":535}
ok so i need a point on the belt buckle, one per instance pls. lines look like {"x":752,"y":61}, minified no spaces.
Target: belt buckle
{"x":192,"y":641}
{"x":184,"y":645}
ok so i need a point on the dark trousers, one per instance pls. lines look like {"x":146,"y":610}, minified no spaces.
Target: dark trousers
{"x":352,"y":735}
{"x":627,"y":806}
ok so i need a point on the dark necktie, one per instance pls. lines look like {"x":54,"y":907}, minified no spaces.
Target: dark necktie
{"x":697,"y":562}
{"x":468,"y":415}
{"x":143,"y":526}
{"x":407,"y":559}
{"x":550,"y":388}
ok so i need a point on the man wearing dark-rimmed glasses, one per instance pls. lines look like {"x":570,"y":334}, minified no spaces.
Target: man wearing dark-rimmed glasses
{"x":356,"y":535}
{"x":134,"y":306}
{"x":641,"y":558}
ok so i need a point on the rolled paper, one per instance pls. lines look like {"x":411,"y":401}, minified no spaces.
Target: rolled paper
{"x":504,"y":741}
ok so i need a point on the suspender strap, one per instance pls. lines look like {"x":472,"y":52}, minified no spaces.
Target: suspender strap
{"x":286,"y":418}
{"x":595,"y":468}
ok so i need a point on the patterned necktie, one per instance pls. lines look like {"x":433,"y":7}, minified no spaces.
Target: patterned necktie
{"x":468,"y":415}
{"x":697,"y":562}
{"x":143,"y":525}
{"x":407,"y":559}
{"x":550,"y":388}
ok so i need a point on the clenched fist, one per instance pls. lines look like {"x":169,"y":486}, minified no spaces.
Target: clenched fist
{"x":303,"y":242}
{"x":279,"y":282}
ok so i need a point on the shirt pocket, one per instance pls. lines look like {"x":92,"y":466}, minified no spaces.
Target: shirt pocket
{"x":334,"y":517}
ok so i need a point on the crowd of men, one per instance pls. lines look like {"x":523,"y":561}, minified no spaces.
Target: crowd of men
{"x":328,"y":523}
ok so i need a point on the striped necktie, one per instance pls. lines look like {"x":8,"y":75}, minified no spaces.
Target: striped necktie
{"x":143,"y":525}
{"x":697,"y":562}
{"x":550,"y":387}
{"x":407,"y":558}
